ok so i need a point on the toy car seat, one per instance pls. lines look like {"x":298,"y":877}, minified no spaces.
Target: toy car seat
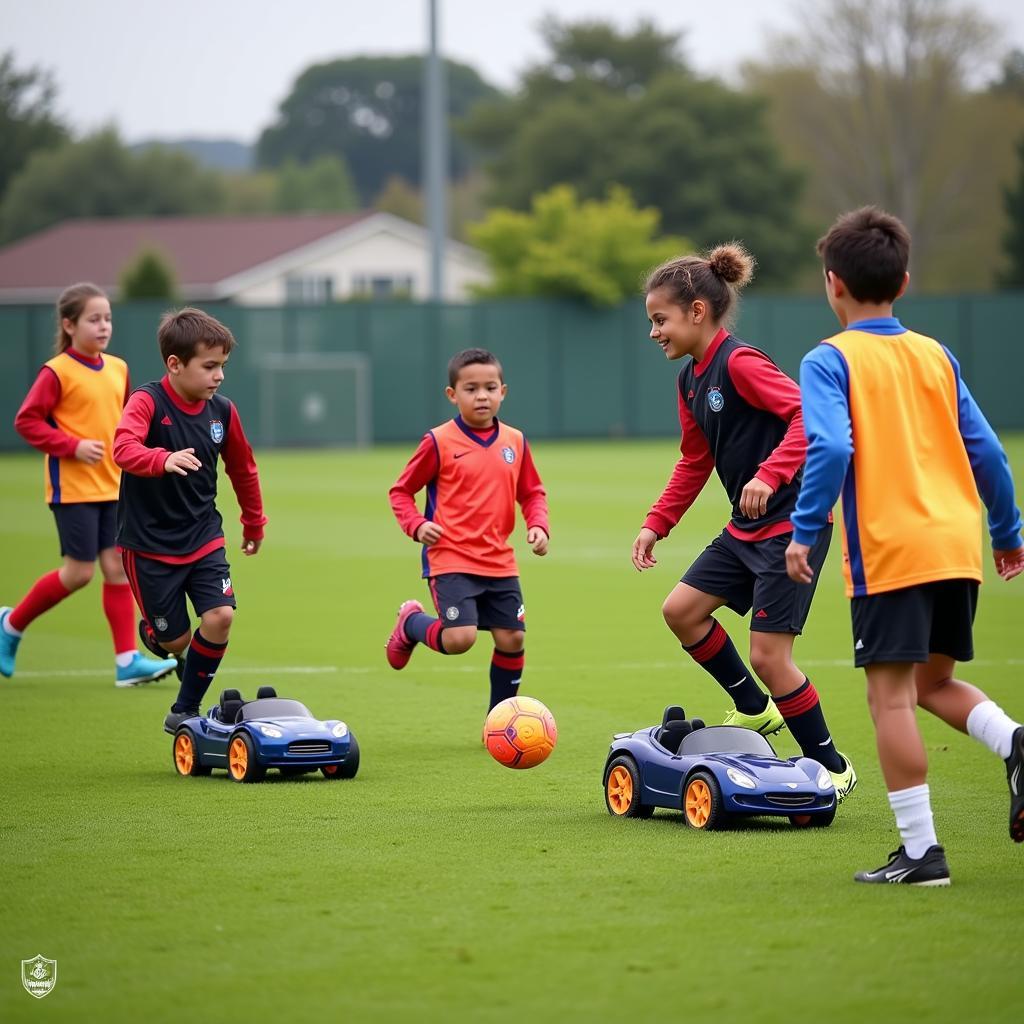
{"x":674,"y":727}
{"x":265,"y":691}
{"x":230,"y":704}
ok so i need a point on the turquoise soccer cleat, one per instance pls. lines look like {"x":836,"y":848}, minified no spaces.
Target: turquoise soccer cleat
{"x":8,"y":646}
{"x":143,"y":670}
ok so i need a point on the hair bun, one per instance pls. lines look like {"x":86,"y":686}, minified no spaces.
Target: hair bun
{"x":732,"y":263}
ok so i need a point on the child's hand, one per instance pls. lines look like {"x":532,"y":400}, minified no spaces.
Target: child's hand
{"x":754,"y":498}
{"x":797,"y":566}
{"x":643,"y":549}
{"x":89,"y":452}
{"x":182,"y":462}
{"x":429,"y":533}
{"x":538,"y":540}
{"x":1009,"y":563}
{"x":250,"y":547}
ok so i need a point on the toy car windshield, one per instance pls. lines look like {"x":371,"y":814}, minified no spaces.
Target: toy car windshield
{"x":274,"y":707}
{"x":725,"y":739}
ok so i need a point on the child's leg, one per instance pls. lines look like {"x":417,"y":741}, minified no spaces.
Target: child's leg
{"x":456,"y":594}
{"x":892,"y":700}
{"x":688,"y":613}
{"x":506,"y":664}
{"x":771,"y":657}
{"x":208,"y":645}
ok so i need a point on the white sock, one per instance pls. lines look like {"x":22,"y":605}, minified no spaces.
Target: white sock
{"x":988,"y":723}
{"x":125,"y":658}
{"x":913,"y":810}
{"x":8,"y":628}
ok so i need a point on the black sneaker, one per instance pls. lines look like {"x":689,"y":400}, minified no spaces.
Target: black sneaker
{"x":174,"y":719}
{"x":931,"y":869}
{"x":1015,"y":778}
{"x":179,"y":665}
{"x":149,"y":640}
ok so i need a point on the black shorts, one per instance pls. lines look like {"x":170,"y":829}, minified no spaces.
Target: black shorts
{"x":485,"y":601}
{"x":915,"y":622}
{"x":160,"y":589}
{"x":85,"y":528}
{"x":752,"y":574}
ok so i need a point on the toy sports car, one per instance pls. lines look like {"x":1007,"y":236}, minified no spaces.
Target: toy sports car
{"x":712,"y":774}
{"x":248,"y":737}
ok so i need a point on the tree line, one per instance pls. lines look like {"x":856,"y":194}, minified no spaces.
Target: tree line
{"x":612,"y":151}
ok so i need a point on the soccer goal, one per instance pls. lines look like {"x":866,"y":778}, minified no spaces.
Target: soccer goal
{"x":316,"y":398}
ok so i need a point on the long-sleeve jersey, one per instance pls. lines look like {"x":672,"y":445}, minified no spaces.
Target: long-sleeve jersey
{"x":75,"y":398}
{"x":740,"y":415}
{"x":473,"y":481}
{"x":174,"y":518}
{"x":892,"y":425}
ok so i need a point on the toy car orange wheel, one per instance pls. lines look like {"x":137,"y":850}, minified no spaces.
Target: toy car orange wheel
{"x":813,"y":820}
{"x":622,"y":789}
{"x":243,"y":765}
{"x":348,"y":769}
{"x":186,"y":757}
{"x":702,"y":801}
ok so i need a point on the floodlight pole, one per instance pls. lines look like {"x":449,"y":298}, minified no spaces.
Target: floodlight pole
{"x":435,"y":156}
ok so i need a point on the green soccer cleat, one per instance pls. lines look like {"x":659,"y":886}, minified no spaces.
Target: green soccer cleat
{"x":844,"y":781}
{"x":766,"y":723}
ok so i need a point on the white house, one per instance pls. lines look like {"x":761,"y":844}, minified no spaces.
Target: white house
{"x":262,"y":260}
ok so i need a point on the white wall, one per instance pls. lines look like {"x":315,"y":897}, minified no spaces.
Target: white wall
{"x":381,"y":254}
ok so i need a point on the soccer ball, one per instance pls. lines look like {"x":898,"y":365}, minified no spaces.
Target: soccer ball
{"x":520,"y":732}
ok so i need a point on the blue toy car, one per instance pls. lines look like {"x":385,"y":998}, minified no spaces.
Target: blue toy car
{"x":248,"y":737}
{"x":712,"y":774}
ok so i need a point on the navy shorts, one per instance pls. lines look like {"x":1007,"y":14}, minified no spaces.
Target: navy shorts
{"x":752,"y":574}
{"x":160,"y":589}
{"x":913,"y":623}
{"x":484,"y":601}
{"x":85,"y":528}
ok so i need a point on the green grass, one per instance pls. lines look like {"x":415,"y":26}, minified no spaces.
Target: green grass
{"x":438,"y":885}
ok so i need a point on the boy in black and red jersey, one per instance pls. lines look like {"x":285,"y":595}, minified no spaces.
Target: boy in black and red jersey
{"x":740,"y":415}
{"x":168,"y":442}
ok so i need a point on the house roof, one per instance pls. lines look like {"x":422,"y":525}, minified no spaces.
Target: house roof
{"x":204,"y":250}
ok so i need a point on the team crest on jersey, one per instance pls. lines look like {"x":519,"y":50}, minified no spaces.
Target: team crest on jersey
{"x":716,"y":402}
{"x":451,"y":613}
{"x":216,"y":431}
{"x":508,"y":455}
{"x":160,"y":623}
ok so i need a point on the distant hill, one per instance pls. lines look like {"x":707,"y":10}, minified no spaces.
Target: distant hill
{"x":221,"y":154}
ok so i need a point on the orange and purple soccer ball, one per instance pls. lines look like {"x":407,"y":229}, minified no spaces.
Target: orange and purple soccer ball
{"x":520,"y":732}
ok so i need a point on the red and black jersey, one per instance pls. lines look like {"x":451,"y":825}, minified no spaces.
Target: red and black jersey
{"x":740,"y":415}
{"x":171,"y":517}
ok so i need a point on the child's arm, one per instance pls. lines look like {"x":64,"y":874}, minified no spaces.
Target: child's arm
{"x":418,"y":472}
{"x":688,"y":479}
{"x":993,"y":478}
{"x":764,"y":386}
{"x":533,"y":500}
{"x":32,"y":423}
{"x":824,"y":387}
{"x":130,"y":451}
{"x":241,"y":469}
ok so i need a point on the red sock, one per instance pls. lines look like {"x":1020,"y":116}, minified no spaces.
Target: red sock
{"x":45,"y":593}
{"x":119,"y":608}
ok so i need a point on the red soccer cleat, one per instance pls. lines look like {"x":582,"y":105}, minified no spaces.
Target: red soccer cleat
{"x":399,"y":647}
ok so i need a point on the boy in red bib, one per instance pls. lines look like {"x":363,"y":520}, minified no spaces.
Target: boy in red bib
{"x":474,"y":469}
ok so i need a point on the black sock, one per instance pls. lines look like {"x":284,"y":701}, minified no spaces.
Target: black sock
{"x":802,"y":711}
{"x":201,"y":662}
{"x":506,"y":671}
{"x":717,"y":655}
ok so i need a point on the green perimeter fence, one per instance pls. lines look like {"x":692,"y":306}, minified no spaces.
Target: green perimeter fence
{"x":375,"y":372}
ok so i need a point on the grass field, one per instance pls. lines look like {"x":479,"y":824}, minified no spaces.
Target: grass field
{"x":437,"y":885}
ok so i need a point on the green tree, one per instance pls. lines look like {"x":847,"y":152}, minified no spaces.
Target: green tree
{"x":400,"y":198}
{"x":608,"y":107}
{"x":873,"y":97}
{"x":596,"y":250}
{"x":27,"y":118}
{"x":324,"y":185}
{"x":99,"y":177}
{"x":367,"y":110}
{"x":1013,"y":241}
{"x":150,"y":275}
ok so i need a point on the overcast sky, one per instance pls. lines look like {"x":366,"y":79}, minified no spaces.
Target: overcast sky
{"x":219,"y":68}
